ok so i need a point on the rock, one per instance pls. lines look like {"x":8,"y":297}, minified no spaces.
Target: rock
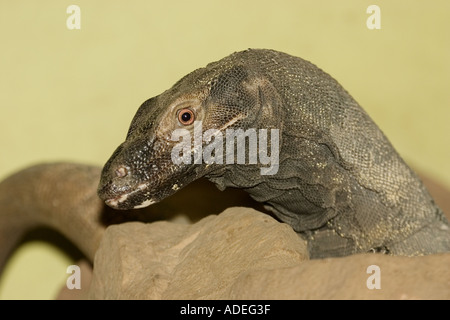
{"x":240,"y":253}
{"x":164,"y":260}
{"x":426,"y":277}
{"x":245,"y":254}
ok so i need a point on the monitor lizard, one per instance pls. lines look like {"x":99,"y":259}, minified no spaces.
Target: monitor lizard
{"x":339,"y":182}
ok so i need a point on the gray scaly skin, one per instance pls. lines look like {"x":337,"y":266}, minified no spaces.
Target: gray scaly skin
{"x":340,"y":183}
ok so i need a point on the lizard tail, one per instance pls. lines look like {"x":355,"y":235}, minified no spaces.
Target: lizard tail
{"x":58,"y":195}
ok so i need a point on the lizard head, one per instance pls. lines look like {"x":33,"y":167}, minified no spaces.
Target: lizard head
{"x":147,"y":167}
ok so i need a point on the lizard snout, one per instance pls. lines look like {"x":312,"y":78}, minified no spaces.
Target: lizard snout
{"x":120,"y":189}
{"x":121,"y":172}
{"x":115,"y":185}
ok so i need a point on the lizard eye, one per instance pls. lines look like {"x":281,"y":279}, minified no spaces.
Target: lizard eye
{"x":186,"y":116}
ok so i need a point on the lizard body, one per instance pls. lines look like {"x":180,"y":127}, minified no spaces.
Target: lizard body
{"x":340,"y":183}
{"x":62,"y":196}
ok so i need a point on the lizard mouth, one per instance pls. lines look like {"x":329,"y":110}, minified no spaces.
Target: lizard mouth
{"x":134,"y":199}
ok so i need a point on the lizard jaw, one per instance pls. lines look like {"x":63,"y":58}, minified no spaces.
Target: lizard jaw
{"x":144,"y":204}
{"x":117,"y":201}
{"x":114,"y":202}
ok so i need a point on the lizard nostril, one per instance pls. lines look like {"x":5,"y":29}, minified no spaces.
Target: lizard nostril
{"x":121,"y":172}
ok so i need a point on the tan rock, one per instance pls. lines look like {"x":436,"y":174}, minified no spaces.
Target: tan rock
{"x":245,"y":254}
{"x":165,"y":260}
{"x":426,"y":277}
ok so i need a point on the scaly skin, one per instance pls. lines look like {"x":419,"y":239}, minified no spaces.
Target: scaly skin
{"x":340,"y":183}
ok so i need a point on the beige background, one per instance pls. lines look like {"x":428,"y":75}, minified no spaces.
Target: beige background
{"x":71,"y":94}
